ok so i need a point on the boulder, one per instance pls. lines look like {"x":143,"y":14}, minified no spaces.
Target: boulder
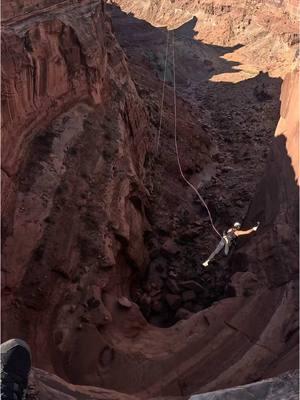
{"x":170,"y":247}
{"x":173,"y":301}
{"x":192,"y":285}
{"x":182,"y":313}
{"x":190,"y":306}
{"x":172,"y":286}
{"x":124,"y":302}
{"x":189,"y":295}
{"x":156,"y":306}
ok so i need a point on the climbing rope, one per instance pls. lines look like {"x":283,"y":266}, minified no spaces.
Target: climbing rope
{"x":9,"y":112}
{"x":163,"y":94}
{"x":176,"y":144}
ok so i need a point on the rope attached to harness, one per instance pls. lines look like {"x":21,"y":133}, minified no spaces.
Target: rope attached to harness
{"x":175,"y":132}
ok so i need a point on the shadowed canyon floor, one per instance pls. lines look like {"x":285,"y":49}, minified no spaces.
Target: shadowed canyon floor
{"x":235,"y":120}
{"x":102,"y":240}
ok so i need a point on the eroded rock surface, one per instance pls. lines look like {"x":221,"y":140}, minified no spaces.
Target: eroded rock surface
{"x":44,"y":386}
{"x":99,"y":232}
{"x":282,"y":387}
{"x":265,"y":32}
{"x":236,"y":121}
{"x":75,"y":138}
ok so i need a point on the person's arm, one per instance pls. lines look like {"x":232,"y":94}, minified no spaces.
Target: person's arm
{"x":247,"y":232}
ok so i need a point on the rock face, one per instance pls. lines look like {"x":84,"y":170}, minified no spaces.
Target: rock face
{"x":99,"y":232}
{"x":46,"y":386}
{"x":288,"y":125}
{"x":237,"y":118}
{"x":276,"y":199}
{"x":43,"y":385}
{"x":283,"y":387}
{"x":264,"y":30}
{"x":74,"y":143}
{"x":12,"y":9}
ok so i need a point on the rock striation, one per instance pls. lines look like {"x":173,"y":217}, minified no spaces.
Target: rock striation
{"x":266,"y":32}
{"x":74,"y":141}
{"x":283,"y":387}
{"x":93,"y":237}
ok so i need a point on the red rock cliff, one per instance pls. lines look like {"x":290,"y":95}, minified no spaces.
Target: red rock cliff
{"x":74,"y":146}
{"x":74,"y":140}
{"x":276,"y":200}
{"x":268,"y":35}
{"x":274,"y":254}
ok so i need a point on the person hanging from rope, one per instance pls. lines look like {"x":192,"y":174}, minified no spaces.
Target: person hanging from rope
{"x":228,"y":238}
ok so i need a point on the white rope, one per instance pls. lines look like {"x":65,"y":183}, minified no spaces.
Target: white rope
{"x":176,"y":145}
{"x":163,"y":94}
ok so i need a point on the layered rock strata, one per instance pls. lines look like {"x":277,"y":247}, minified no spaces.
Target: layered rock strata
{"x":265,"y":32}
{"x":74,"y":143}
{"x":76,"y":214}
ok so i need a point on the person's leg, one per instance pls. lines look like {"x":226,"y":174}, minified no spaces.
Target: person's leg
{"x":226,"y":251}
{"x":15,"y":369}
{"x":215,"y":252}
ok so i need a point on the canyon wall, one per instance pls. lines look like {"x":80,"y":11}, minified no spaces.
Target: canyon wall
{"x":75,"y":217}
{"x":74,"y":141}
{"x":12,"y":9}
{"x":292,"y":6}
{"x":276,"y":201}
{"x":273,"y":257}
{"x":43,"y":385}
{"x":265,"y":34}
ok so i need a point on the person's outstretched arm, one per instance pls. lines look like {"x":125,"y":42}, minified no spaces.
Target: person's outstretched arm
{"x":247,"y":232}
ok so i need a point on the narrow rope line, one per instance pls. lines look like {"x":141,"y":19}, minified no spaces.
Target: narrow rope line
{"x":163,"y":94}
{"x":176,"y":144}
{"x":9,"y":109}
{"x":8,"y":94}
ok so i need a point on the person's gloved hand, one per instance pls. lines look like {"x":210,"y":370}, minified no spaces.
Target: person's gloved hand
{"x":256,"y":227}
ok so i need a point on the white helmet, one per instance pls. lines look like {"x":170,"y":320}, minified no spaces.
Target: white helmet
{"x":237,"y":225}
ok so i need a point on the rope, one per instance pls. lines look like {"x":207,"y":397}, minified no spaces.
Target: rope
{"x":176,"y":145}
{"x":9,"y":108}
{"x":163,"y":94}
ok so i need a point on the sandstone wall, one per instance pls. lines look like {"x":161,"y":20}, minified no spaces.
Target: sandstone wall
{"x":74,"y":141}
{"x":274,"y":254}
{"x":75,"y":138}
{"x":276,"y":199}
{"x":293,"y":8}
{"x":265,"y":36}
{"x":11,"y":9}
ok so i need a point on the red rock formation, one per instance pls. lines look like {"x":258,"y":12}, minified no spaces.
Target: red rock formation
{"x":74,"y":143}
{"x":288,"y":125}
{"x":273,"y":257}
{"x":75,"y":137}
{"x":44,"y":385}
{"x":59,"y":66}
{"x":263,"y":29}
{"x":293,"y":9}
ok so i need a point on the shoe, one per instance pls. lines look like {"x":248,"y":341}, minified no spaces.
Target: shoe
{"x":15,"y":369}
{"x":205,"y":264}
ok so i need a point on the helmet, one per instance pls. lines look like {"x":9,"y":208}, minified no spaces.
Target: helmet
{"x":237,"y":225}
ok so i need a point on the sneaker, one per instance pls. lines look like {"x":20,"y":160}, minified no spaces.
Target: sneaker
{"x":15,"y":368}
{"x":205,"y":264}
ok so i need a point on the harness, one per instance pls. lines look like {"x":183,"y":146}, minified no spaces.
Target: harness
{"x":226,"y":239}
{"x":229,"y":236}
